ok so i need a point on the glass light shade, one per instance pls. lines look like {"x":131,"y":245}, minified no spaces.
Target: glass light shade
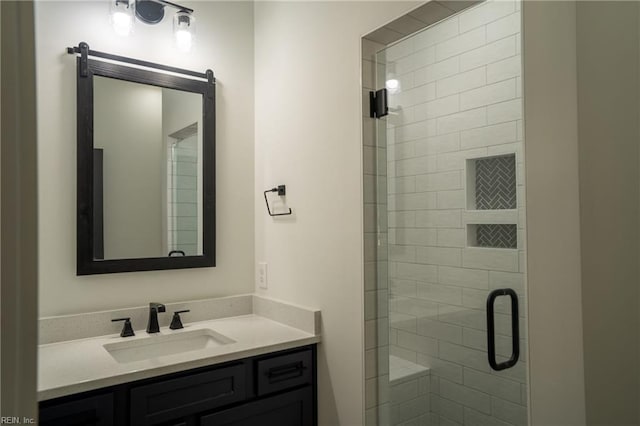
{"x":392,"y":85}
{"x":184,"y":30}
{"x":122,"y":16}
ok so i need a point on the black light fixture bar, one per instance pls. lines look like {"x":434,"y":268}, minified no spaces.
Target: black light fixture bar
{"x":177,"y":6}
{"x":109,"y":56}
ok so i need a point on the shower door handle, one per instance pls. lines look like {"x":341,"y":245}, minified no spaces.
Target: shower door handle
{"x":491,"y":332}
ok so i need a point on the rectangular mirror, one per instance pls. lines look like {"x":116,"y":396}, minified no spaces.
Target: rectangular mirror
{"x":146,"y":172}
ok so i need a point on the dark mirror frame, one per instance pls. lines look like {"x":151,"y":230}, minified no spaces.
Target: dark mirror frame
{"x":204,"y":84}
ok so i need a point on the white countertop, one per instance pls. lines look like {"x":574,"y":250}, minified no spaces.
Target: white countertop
{"x":74,"y":366}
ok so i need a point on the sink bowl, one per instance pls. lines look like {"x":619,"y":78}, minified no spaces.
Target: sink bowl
{"x":166,"y":344}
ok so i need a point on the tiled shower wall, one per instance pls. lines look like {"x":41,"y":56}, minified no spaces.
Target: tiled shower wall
{"x":459,"y":100}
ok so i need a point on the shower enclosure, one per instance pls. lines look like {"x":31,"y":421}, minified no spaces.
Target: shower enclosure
{"x":445,"y":218}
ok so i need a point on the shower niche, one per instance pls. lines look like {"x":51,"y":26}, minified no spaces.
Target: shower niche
{"x":491,"y":215}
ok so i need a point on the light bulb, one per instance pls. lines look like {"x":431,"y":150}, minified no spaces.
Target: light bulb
{"x":122,"y":17}
{"x":183,"y":40}
{"x":392,"y":85}
{"x":184,"y":30}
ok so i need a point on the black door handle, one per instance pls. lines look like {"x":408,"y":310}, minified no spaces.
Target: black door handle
{"x":491,"y":332}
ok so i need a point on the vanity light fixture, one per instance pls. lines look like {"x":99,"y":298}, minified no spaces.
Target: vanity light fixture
{"x":152,"y":12}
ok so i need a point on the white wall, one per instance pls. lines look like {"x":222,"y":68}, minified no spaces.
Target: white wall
{"x":225,"y":44}
{"x":308,"y":109}
{"x":556,"y":367}
{"x":608,"y":150}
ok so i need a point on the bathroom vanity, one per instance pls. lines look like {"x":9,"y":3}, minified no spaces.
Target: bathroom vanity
{"x":272,"y":389}
{"x":254,"y":366}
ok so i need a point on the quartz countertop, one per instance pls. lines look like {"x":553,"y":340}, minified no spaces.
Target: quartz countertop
{"x":74,"y":366}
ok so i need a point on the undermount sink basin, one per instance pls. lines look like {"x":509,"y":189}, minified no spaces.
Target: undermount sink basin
{"x":165,"y":344}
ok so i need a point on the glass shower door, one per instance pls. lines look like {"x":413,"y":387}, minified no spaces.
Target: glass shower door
{"x":451,"y":225}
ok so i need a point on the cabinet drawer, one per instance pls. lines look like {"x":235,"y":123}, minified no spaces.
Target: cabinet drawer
{"x":284,"y":371}
{"x":91,"y":411}
{"x":293,"y":408}
{"x":174,"y":398}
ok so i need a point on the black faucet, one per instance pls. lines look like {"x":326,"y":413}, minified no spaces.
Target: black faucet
{"x":152,"y":325}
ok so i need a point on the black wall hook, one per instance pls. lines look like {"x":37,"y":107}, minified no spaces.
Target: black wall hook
{"x":281,"y":190}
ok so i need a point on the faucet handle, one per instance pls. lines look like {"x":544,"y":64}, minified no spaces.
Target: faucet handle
{"x":127,"y":330}
{"x":176,"y":323}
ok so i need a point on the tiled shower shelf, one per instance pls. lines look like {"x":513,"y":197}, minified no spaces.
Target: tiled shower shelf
{"x":493,"y":235}
{"x":491,"y":183}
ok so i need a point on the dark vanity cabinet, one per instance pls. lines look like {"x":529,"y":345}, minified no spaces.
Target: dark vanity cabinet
{"x":272,"y":389}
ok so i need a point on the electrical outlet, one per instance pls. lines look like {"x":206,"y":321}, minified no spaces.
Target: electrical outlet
{"x":262,"y":275}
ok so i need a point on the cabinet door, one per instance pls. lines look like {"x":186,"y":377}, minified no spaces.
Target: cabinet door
{"x":92,"y":411}
{"x":293,"y":408}
{"x":174,"y":399}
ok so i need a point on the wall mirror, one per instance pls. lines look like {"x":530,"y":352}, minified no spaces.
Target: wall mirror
{"x":146,"y":165}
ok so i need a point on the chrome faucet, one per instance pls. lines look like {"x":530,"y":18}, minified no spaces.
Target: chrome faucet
{"x":152,"y":325}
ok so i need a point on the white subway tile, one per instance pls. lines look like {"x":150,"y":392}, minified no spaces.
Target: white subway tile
{"x":505,"y":69}
{"x":412,"y":131}
{"x":505,"y":111}
{"x":419,"y":201}
{"x":416,"y":307}
{"x":460,"y":82}
{"x":492,"y":52}
{"x":476,"y":418}
{"x":438,"y":219}
{"x":493,"y":259}
{"x":440,"y":293}
{"x":456,"y":160}
{"x":402,"y":219}
{"x":416,"y":236}
{"x":405,"y":288}
{"x":402,"y":253}
{"x":468,"y":397}
{"x":438,"y":144}
{"x":415,"y":166}
{"x":512,"y":280}
{"x":451,"y":238}
{"x":399,"y":321}
{"x":437,"y":108}
{"x":462,"y":121}
{"x":436,"y":34}
{"x":451,"y":199}
{"x":439,"y":256}
{"x":439,"y":181}
{"x":414,"y":271}
{"x":369,"y":160}
{"x":514,"y":414}
{"x":484,"y":14}
{"x":490,"y":216}
{"x":420,"y":344}
{"x":398,"y":50}
{"x":447,"y":408}
{"x":509,"y":25}
{"x":495,"y":386}
{"x":368,"y":75}
{"x":507,"y":148}
{"x":473,"y":278}
{"x":489,"y":135}
{"x":469,"y":318}
{"x":462,"y":43}
{"x":403,"y":353}
{"x":436,"y":71}
{"x":488,"y":95}
{"x":401,"y":185}
{"x":439,"y":330}
{"x":403,"y":391}
{"x":401,"y":151}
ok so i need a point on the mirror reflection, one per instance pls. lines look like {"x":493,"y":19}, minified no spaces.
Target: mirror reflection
{"x":147,"y":171}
